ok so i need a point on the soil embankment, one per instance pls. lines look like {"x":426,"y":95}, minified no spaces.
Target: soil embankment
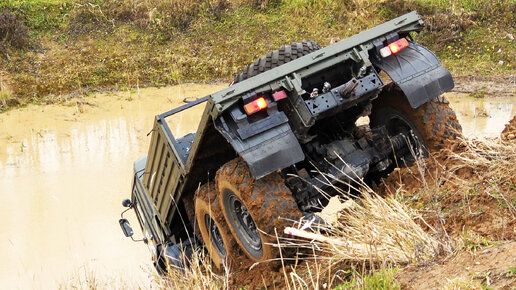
{"x":468,"y":194}
{"x":465,"y":197}
{"x":470,"y":270}
{"x":49,"y":49}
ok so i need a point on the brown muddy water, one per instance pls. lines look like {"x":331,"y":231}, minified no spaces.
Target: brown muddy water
{"x":64,"y":170}
{"x":482,"y":117}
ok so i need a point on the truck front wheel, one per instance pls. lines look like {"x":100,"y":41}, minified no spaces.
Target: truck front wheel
{"x":214,"y":231}
{"x":254,"y":208}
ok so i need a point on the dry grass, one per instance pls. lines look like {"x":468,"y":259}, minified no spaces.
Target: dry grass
{"x":380,"y":231}
{"x":371,"y":234}
{"x":463,"y":283}
{"x":495,"y":160}
{"x":199,"y":274}
{"x":388,"y":230}
{"x":85,"y":278}
{"x":6,"y":94}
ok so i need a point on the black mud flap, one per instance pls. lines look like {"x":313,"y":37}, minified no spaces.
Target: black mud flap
{"x":268,"y":151}
{"x":418,"y":72}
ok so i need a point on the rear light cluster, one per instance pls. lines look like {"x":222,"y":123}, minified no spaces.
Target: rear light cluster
{"x":262,"y":103}
{"x":394,"y":47}
{"x":255,"y":106}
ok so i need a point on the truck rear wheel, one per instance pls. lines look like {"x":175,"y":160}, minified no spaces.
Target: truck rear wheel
{"x":434,"y":123}
{"x":213,"y":228}
{"x":254,"y":208}
{"x":276,"y":58}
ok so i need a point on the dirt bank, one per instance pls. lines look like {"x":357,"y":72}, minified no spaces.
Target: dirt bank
{"x":467,"y":197}
{"x":509,"y":132}
{"x":470,"y":193}
{"x":469,"y":188}
{"x":492,"y":267}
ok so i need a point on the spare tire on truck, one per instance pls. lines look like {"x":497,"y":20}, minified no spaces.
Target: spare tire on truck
{"x":276,"y":58}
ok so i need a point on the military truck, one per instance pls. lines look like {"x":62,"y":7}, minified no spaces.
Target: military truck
{"x":283,"y":137}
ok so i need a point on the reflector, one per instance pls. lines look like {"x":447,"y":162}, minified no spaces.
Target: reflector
{"x":279,"y":95}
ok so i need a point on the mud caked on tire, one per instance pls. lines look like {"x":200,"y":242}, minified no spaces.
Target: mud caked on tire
{"x":276,"y":58}
{"x":212,"y":226}
{"x":255,"y":208}
{"x":434,"y":123}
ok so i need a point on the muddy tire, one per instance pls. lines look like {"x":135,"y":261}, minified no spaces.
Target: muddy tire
{"x":188,"y":202}
{"x":254,"y":208}
{"x":276,"y":58}
{"x":212,"y":226}
{"x":433,"y":123}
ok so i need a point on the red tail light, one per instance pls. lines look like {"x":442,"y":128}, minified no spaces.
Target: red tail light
{"x":394,"y":47}
{"x":255,"y":106}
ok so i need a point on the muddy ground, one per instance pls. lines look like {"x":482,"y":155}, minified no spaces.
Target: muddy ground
{"x":474,"y":203}
{"x":468,"y":205}
{"x":489,"y":266}
{"x":486,"y":86}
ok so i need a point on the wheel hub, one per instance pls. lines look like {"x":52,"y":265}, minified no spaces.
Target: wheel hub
{"x":242,"y":222}
{"x":215,"y":236}
{"x":245,"y":217}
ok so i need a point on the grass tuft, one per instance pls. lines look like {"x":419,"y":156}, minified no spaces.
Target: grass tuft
{"x":13,"y":32}
{"x":199,"y":274}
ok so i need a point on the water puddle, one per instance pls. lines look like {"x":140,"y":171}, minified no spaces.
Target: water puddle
{"x":482,"y":117}
{"x":64,"y":170}
{"x":63,"y":173}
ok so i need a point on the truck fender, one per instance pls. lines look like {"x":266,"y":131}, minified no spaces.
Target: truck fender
{"x":418,"y":73}
{"x":266,"y":146}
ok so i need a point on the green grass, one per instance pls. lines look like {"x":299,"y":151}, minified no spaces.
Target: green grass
{"x":474,"y":242}
{"x":41,"y":16}
{"x":382,"y":279}
{"x":511,"y":272}
{"x":82,"y":46}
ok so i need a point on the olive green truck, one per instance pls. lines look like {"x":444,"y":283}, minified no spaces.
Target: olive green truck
{"x":272,"y":147}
